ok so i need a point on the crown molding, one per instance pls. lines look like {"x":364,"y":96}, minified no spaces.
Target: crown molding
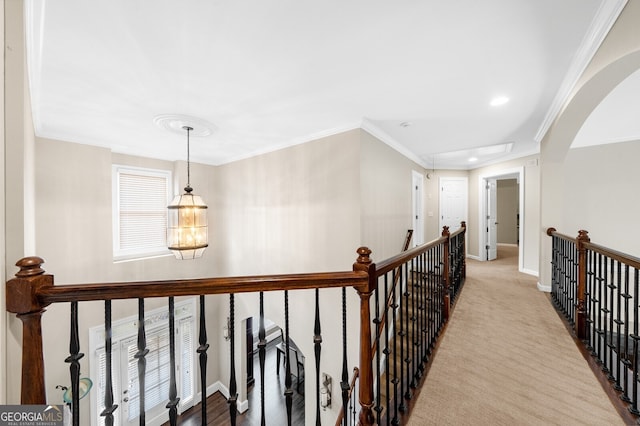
{"x":383,"y":136}
{"x":600,"y":26}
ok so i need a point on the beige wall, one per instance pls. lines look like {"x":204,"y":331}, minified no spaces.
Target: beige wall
{"x":507,"y":211}
{"x":617,"y":58}
{"x":3,"y":230}
{"x":386,"y":181}
{"x":294,"y":210}
{"x":600,"y":193}
{"x":74,"y":236}
{"x":19,"y":174}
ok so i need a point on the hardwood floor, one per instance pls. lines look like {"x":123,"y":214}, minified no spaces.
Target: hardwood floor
{"x":275,"y":408}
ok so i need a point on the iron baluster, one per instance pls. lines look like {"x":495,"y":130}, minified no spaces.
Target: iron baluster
{"x":344,"y":384}
{"x":262,"y":354}
{"x":172,"y":405}
{"x":317,"y":346}
{"x":109,"y":406}
{"x":233,"y":389}
{"x":288,"y":393}
{"x":141,"y":355}
{"x":74,"y":364}
{"x":202,"y":356}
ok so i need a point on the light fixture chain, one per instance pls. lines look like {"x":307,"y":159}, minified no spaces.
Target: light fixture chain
{"x":188,"y":159}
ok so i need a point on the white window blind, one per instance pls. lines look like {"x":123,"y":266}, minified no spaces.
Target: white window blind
{"x":125,"y":382}
{"x":140,"y":204}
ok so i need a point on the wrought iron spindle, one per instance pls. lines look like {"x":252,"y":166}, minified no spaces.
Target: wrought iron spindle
{"x":288,"y":393}
{"x":422,"y":271}
{"x":597,"y":311}
{"x":407,"y":336}
{"x":605,"y":314}
{"x":625,"y":361}
{"x":395,"y":380}
{"x":202,"y":357}
{"x":619,"y":323}
{"x":612,"y":289}
{"x":233,"y":387}
{"x":344,"y":384}
{"x":411,"y":365}
{"x":378,"y":323}
{"x":74,"y":364}
{"x":172,"y":405}
{"x":317,"y":346}
{"x":387,"y":351}
{"x":141,"y":356}
{"x":262,"y":354}
{"x":635,"y":336}
{"x":402,"y":333}
{"x":590,"y":297}
{"x":109,"y":406}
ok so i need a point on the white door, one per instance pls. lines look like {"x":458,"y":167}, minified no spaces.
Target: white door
{"x":417,"y":210}
{"x":492,"y":219}
{"x":453,"y":202}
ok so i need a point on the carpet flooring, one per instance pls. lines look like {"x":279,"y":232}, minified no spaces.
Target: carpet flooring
{"x":506,"y":358}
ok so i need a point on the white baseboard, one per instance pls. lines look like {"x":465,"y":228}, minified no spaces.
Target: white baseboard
{"x":470,"y":256}
{"x":545,"y":288}
{"x":529,"y":272}
{"x":218,"y":386}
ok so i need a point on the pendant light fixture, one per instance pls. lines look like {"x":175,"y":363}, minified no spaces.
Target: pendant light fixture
{"x":187,"y":233}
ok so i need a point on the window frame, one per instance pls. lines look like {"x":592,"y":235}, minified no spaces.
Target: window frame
{"x":120,"y":254}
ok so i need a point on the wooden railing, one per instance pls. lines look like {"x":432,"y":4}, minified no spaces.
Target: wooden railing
{"x":597,"y":289}
{"x":424,"y":272}
{"x":413,"y":293}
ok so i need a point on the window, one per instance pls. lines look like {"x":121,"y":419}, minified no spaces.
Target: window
{"x":124,"y":366}
{"x":140,"y":199}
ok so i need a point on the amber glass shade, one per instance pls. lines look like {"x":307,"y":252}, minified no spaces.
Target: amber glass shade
{"x":187,"y":233}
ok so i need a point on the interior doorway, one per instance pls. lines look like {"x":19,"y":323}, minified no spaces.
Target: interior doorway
{"x":501,"y":217}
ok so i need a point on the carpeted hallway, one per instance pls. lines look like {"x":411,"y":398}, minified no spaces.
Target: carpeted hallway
{"x":507,"y":359}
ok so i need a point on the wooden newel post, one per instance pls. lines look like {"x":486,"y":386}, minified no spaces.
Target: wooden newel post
{"x":581,"y":307}
{"x":446,"y":279}
{"x":363,"y":263}
{"x":22,"y":299}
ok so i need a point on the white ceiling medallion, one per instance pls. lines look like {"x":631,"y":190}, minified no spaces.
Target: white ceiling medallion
{"x":176,"y":123}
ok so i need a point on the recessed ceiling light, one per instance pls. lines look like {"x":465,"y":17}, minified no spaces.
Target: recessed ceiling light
{"x":473,"y":159}
{"x":405,"y":124}
{"x":499,"y":100}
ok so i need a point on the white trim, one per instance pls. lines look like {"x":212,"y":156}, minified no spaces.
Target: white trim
{"x":544,"y":288}
{"x":471,"y":256}
{"x":482,"y":208}
{"x":375,"y":131}
{"x":529,"y":272}
{"x":417,"y":207}
{"x":602,"y":22}
{"x":218,"y":386}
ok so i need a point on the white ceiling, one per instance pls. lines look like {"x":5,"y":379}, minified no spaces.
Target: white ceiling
{"x":270,"y":74}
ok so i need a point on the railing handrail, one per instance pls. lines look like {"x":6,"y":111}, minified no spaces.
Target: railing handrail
{"x":352,"y":385}
{"x":189,"y":287}
{"x":553,"y":233}
{"x":614,"y":254}
{"x":391,"y":263}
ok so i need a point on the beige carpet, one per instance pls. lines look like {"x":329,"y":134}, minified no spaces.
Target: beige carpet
{"x":507,"y":359}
